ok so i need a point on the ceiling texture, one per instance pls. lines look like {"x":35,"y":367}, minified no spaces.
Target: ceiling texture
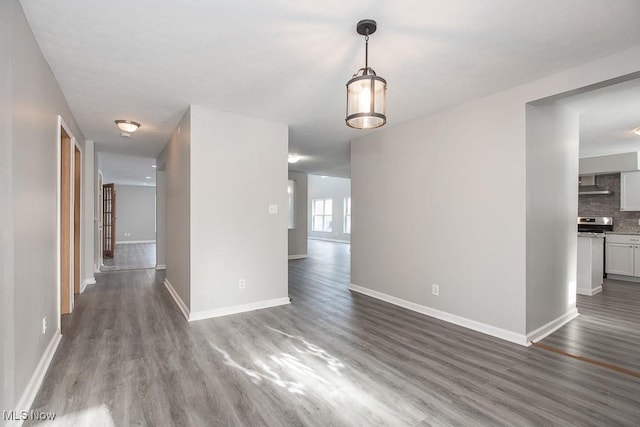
{"x":289,"y":60}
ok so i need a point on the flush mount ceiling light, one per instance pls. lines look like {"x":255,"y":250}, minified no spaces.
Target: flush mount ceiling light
{"x":293,"y":158}
{"x":366,"y":92}
{"x":636,"y":131}
{"x":127,"y":125}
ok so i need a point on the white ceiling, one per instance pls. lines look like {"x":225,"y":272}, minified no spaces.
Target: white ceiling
{"x":126,"y":169}
{"x":607,"y":119}
{"x":288,"y":61}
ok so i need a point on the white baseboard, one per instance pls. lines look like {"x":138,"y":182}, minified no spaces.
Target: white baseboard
{"x":86,"y":282}
{"x":29,"y":394}
{"x":181,"y":305}
{"x":127,"y":242}
{"x":328,"y":240}
{"x":549,"y":328}
{"x":623,"y":278}
{"x":161,"y":267}
{"x":447,"y":317}
{"x":301,"y":256}
{"x":225,"y":311}
{"x":589,"y":292}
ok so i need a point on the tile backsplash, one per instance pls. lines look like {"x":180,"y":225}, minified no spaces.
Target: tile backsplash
{"x":609,"y":205}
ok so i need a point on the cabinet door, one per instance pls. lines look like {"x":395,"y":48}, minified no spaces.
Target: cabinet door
{"x":620,"y":258}
{"x":630,"y":191}
{"x":636,"y":260}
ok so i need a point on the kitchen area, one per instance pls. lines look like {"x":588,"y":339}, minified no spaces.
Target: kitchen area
{"x":608,"y":221}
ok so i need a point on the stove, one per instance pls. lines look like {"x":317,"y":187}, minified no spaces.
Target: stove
{"x":595,"y":224}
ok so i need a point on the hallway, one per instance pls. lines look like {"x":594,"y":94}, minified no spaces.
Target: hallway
{"x":131,"y":256}
{"x":128,"y":357}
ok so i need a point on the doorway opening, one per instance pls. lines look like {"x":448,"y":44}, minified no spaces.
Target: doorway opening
{"x":70,"y":218}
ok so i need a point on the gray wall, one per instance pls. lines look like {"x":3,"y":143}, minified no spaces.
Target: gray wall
{"x":431,"y":205}
{"x":233,"y":235}
{"x":552,"y":201}
{"x":31,"y":102}
{"x":609,"y":205}
{"x":298,"y":235}
{"x":161,"y":213}
{"x":330,"y":188}
{"x":136,"y":213}
{"x":7,"y":283}
{"x":176,"y":157}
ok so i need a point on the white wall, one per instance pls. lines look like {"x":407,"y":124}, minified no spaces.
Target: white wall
{"x":552,"y":208}
{"x":297,"y":237}
{"x":31,"y":103}
{"x":176,"y":157}
{"x":161,"y":213}
{"x":238,"y":169}
{"x":329,"y":188}
{"x":7,"y":283}
{"x":135,"y":213}
{"x":89,"y":218}
{"x":445,"y":200}
{"x":437,"y":202}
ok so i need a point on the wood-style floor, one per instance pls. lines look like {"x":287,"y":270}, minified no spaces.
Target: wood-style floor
{"x":331,"y":358}
{"x":130,"y":256}
{"x":608,"y":328}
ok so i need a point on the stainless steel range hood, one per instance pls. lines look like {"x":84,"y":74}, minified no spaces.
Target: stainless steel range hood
{"x":588,"y":187}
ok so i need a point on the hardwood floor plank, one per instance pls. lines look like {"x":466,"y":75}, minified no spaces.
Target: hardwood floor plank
{"x":331,"y":358}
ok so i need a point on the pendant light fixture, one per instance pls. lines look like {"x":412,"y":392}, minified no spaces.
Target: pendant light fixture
{"x":366,"y":92}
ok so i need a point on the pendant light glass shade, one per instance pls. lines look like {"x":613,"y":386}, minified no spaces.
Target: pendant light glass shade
{"x":366,"y":101}
{"x":366,"y":92}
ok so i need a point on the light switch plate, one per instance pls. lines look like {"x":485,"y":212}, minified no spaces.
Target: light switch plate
{"x":273,"y":209}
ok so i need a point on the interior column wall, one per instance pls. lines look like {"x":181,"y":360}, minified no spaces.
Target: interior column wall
{"x":552,"y":208}
{"x":161,"y":213}
{"x":297,"y":237}
{"x":177,"y":158}
{"x":238,"y":173}
{"x":89,"y":218}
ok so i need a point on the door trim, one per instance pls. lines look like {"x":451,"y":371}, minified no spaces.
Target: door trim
{"x":63,"y":126}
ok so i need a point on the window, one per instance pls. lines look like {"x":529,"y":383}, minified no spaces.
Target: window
{"x":291,"y":187}
{"x":347,"y":215}
{"x":322,"y":215}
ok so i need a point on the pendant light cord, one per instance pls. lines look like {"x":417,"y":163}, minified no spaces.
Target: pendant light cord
{"x":366,"y":53}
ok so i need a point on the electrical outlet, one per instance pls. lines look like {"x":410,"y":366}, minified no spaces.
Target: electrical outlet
{"x":273,"y":209}
{"x":44,"y":325}
{"x":241,"y":284}
{"x":435,"y":289}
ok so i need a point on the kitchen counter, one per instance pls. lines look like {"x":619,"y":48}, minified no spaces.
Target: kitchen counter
{"x":631,"y":233}
{"x":588,"y":234}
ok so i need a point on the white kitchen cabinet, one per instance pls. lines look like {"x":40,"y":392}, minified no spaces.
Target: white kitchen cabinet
{"x":620,"y":259}
{"x":623,"y":255}
{"x":630,"y":191}
{"x":589,"y":278}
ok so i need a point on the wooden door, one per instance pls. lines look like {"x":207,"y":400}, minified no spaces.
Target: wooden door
{"x":109,"y":217}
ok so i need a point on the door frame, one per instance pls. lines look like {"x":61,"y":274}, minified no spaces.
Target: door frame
{"x":98,"y":243}
{"x":61,"y":125}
